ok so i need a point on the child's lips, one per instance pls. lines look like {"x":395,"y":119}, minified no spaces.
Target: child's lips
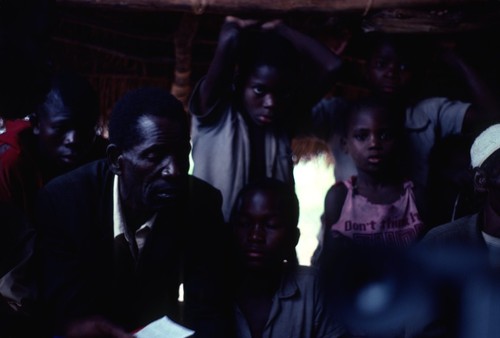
{"x":374,"y":159}
{"x":265,"y":119}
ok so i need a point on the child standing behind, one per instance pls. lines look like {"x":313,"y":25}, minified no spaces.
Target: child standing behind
{"x":246,"y":109}
{"x":378,"y":206}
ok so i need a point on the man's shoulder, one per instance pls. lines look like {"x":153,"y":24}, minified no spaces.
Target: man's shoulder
{"x":432,"y":109}
{"x":198,"y":186}
{"x":82,"y":178}
{"x":459,"y":231}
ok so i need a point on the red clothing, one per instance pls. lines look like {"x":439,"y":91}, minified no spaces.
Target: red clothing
{"x":20,"y":177}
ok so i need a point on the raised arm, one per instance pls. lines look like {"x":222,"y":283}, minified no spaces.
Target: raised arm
{"x":484,"y":110}
{"x":221,"y":71}
{"x":320,"y":63}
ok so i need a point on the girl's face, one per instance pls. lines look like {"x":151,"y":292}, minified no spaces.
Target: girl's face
{"x":265,"y":95}
{"x":371,"y":140}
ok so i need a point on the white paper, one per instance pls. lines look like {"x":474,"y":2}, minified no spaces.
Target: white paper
{"x":164,"y":327}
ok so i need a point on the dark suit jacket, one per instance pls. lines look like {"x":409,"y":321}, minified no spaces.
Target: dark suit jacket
{"x":85,"y":271}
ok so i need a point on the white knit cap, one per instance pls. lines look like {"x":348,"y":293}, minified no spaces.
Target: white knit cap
{"x":485,"y":145}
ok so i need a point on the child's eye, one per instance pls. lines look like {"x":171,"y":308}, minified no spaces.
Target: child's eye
{"x":244,"y":223}
{"x":385,"y":136}
{"x":380,"y":64}
{"x":360,"y":137}
{"x":259,"y":90}
{"x":272,"y":225}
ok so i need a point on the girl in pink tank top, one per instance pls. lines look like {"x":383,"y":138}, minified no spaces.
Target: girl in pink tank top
{"x":376,"y":207}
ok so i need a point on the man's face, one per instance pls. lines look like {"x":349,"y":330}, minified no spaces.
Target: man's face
{"x":265,"y":95}
{"x":155,"y":170}
{"x":63,"y":138}
{"x":387,"y":72}
{"x":262,"y":233}
{"x":492,"y":180}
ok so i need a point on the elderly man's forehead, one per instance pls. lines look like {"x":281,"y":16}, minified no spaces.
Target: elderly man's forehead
{"x":152,"y":125}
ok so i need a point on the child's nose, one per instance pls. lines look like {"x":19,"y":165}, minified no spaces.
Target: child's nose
{"x":374,"y":141}
{"x":393,"y":69}
{"x":70,"y":137}
{"x":269,"y":101}
{"x":257,"y":233}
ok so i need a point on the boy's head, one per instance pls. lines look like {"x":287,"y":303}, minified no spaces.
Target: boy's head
{"x":65,"y":122}
{"x":390,"y":64}
{"x":267,"y":76}
{"x":264,"y":220}
{"x":485,"y":160}
{"x":371,"y":134}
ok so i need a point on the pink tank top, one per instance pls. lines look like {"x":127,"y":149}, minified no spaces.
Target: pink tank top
{"x":397,"y":224}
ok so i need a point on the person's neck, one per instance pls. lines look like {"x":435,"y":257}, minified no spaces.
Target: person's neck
{"x":135,"y":219}
{"x":491,"y":221}
{"x":376,"y":180}
{"x":259,"y":283}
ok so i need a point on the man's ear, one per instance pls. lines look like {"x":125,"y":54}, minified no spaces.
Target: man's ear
{"x":114,"y":156}
{"x":480,"y":181}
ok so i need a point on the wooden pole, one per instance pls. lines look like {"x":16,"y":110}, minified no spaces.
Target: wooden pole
{"x":181,"y":86}
{"x":268,"y":6}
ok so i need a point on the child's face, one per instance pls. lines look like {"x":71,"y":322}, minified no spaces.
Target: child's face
{"x":64,"y":138}
{"x":265,"y":95}
{"x":262,"y":234}
{"x":370,"y":140}
{"x":387,"y":72}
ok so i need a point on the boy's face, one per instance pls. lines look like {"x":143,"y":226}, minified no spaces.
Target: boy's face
{"x":263,"y":235}
{"x":370,"y":140}
{"x":266,"y":94}
{"x":63,"y":138}
{"x":155,"y":170}
{"x":387,"y":73}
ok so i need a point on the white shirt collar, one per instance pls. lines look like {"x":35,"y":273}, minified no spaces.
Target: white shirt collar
{"x":119,"y":221}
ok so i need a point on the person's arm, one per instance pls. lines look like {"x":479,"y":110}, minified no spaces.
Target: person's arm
{"x":320,"y":63}
{"x":220,"y":75}
{"x":207,"y":273}
{"x":65,"y":290}
{"x":334,"y":201}
{"x":484,"y":110}
{"x":95,"y":327}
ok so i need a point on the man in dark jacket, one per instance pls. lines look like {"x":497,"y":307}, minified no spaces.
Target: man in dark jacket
{"x":119,"y":237}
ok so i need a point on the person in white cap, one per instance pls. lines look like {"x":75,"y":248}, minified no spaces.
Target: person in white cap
{"x":482,"y":229}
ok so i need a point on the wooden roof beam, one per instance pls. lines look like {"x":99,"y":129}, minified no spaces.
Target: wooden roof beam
{"x":259,"y":6}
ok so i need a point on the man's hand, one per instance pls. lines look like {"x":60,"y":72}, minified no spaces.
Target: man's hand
{"x":95,"y":328}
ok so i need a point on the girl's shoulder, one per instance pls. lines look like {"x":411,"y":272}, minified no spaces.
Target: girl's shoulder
{"x":340,"y":188}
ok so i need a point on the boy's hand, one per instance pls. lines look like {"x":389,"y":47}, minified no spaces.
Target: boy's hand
{"x":270,"y":25}
{"x":241,"y":23}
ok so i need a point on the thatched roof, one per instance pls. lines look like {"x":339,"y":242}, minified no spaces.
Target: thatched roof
{"x":123,"y":44}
